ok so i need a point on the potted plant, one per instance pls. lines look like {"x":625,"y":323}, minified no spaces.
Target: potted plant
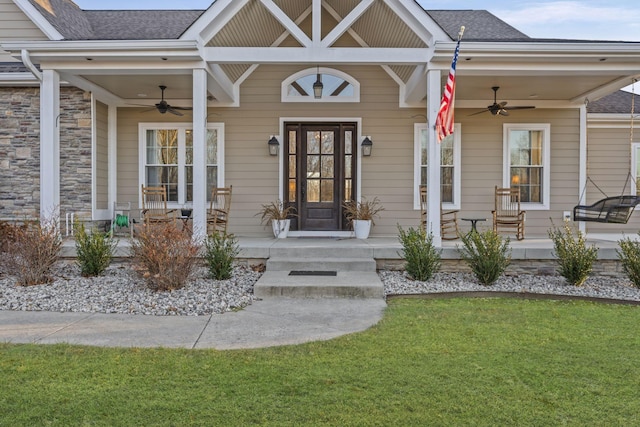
{"x":279,"y":216}
{"x":361,"y":215}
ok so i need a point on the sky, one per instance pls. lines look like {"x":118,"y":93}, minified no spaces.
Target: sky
{"x":584,"y":19}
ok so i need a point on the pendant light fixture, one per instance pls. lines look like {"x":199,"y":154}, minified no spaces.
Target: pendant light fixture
{"x":318,"y":86}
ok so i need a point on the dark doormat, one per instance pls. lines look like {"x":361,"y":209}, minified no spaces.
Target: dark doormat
{"x":312,"y":273}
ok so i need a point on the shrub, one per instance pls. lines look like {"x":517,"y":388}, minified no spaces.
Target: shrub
{"x":165,"y":256}
{"x":93,"y":250}
{"x":486,"y":253}
{"x":220,"y":251}
{"x":422,"y":259}
{"x":34,"y":251}
{"x":574,"y":258}
{"x":629,"y":255}
{"x":8,"y":234}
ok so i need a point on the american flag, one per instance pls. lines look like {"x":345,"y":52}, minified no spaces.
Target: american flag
{"x":444,"y":121}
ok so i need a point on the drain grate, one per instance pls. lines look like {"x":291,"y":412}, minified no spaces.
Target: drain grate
{"x":312,"y":273}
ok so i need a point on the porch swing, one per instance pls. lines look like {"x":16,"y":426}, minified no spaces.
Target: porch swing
{"x":610,"y":210}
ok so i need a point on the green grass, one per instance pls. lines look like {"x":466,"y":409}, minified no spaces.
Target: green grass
{"x":481,"y":362}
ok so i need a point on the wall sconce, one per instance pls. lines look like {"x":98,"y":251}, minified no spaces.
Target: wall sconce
{"x":366,"y":146}
{"x":274,"y":145}
{"x":318,"y":86}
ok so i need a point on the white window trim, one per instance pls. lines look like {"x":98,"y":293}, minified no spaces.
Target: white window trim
{"x":418,"y":128}
{"x":181,"y":128}
{"x":546,"y":161}
{"x":635,"y":146}
{"x":285,"y":97}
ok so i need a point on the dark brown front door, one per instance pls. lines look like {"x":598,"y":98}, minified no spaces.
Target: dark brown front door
{"x":320,"y":173}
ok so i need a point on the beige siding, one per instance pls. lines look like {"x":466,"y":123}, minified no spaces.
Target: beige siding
{"x":102,"y":156}
{"x":15,"y":25}
{"x":609,"y":164}
{"x":387,"y":174}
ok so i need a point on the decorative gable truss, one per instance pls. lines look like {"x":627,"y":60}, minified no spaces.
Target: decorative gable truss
{"x":237,"y":36}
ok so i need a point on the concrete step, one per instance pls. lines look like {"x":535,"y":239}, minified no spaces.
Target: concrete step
{"x":345,"y":284}
{"x":308,"y":263}
{"x":321,"y":251}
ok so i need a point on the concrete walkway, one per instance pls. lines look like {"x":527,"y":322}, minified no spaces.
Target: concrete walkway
{"x":265,"y":323}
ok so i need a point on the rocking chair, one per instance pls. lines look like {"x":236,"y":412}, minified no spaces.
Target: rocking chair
{"x":448,"y":219}
{"x":154,"y":206}
{"x":507,"y":213}
{"x":218,"y":213}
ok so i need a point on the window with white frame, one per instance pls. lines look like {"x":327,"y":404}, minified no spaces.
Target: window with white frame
{"x":527,"y":162}
{"x":337,"y":86}
{"x":449,"y":165}
{"x":166,"y":156}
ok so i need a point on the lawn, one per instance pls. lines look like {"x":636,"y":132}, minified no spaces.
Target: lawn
{"x":446,"y":362}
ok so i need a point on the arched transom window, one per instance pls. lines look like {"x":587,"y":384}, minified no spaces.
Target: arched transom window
{"x":336,"y":86}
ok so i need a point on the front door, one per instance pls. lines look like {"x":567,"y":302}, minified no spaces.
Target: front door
{"x":319,"y":173}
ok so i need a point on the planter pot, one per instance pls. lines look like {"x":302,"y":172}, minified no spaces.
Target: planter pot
{"x":361,"y":228}
{"x":281,"y":228}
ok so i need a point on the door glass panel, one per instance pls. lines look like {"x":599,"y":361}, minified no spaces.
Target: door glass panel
{"x":313,"y":190}
{"x":327,"y":190}
{"x":327,"y":167}
{"x":348,"y":195}
{"x":313,"y":166}
{"x":348,"y":145}
{"x":328,"y":143}
{"x":292,"y":142}
{"x":292,"y":166}
{"x":313,"y":142}
{"x":292,"y":190}
{"x":347,"y":167}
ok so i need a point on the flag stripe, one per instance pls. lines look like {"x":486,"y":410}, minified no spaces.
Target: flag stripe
{"x":444,"y":120}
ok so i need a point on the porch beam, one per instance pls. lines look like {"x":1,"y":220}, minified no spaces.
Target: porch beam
{"x":199,"y":154}
{"x":433,"y":158}
{"x":50,"y":145}
{"x":220,"y":86}
{"x":346,"y":23}
{"x":99,"y":92}
{"x":316,"y":22}
{"x":315,"y":55}
{"x":416,"y":87}
{"x":287,"y":23}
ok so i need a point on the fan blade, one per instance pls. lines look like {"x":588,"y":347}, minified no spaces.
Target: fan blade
{"x":478,"y":112}
{"x":503,"y":112}
{"x":502,"y":104}
{"x":524,"y":107}
{"x":182,"y":108}
{"x":172,"y":110}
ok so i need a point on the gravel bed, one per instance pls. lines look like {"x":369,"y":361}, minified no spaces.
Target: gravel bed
{"x":121,"y":290}
{"x":398,"y":283}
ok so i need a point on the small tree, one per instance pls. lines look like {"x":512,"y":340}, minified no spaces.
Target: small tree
{"x":629,"y":255}
{"x":94,"y":250}
{"x":165,"y":255}
{"x":574,"y":258}
{"x":422,"y":258}
{"x":487,"y":254}
{"x":220,"y":252}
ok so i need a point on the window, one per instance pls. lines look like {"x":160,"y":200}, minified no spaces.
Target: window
{"x":166,"y":158}
{"x":337,"y":86}
{"x":449,"y":165}
{"x":527,"y":162}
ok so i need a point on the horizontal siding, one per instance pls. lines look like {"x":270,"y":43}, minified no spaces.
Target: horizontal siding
{"x":102,"y":156}
{"x":387,"y":174}
{"x":15,"y":25}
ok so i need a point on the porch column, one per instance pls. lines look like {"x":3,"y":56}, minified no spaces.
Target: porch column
{"x":50,"y":144}
{"x":582,"y":168}
{"x":433,"y":157}
{"x":112,"y":147}
{"x":199,"y":154}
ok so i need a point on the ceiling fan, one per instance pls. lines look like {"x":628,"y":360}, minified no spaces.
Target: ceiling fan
{"x":164,"y":107}
{"x":500,"y":108}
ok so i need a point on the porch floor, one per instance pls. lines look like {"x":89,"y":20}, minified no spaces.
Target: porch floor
{"x":379,"y":248}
